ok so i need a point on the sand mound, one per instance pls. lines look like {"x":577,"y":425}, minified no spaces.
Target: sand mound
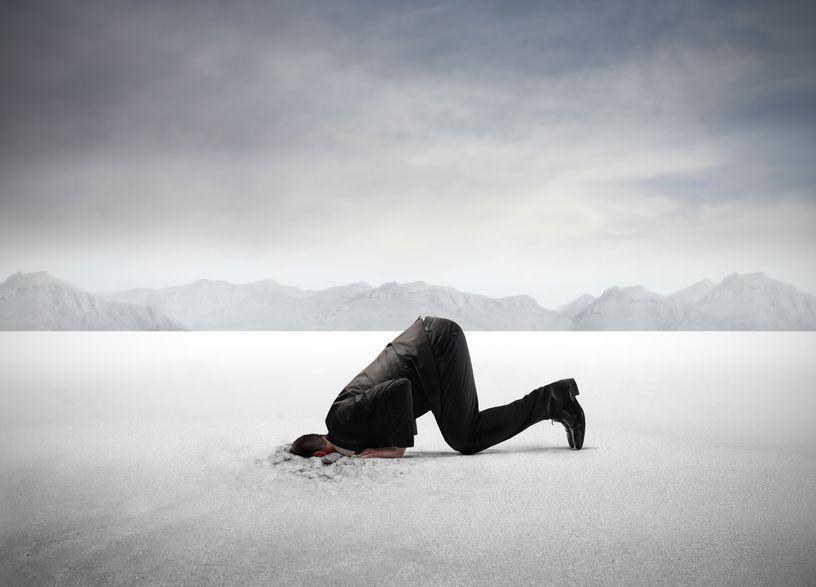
{"x":333,"y":467}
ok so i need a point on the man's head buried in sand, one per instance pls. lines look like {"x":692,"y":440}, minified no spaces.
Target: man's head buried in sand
{"x":312,"y":445}
{"x":317,"y":445}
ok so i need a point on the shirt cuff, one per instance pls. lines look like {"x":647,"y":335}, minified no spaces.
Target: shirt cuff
{"x":343,"y":451}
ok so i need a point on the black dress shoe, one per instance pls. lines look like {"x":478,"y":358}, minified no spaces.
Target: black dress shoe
{"x":566,"y":410}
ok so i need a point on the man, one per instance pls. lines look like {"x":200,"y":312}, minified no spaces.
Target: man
{"x":428,"y":368}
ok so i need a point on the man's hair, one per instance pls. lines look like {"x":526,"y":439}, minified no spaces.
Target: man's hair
{"x":307,"y":445}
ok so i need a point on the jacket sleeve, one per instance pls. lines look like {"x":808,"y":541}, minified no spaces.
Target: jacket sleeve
{"x":392,"y":404}
{"x":386,"y":411}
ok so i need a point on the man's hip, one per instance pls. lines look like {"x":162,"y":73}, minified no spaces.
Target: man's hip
{"x":439,"y":330}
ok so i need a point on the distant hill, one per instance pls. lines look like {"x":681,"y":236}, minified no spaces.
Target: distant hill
{"x":38,"y":301}
{"x":636,"y":308}
{"x":218,"y":305}
{"x":693,"y":293}
{"x":577,"y":305}
{"x":740,"y":302}
{"x":761,"y":302}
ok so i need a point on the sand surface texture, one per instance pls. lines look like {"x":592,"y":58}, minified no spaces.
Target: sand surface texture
{"x":159,"y":458}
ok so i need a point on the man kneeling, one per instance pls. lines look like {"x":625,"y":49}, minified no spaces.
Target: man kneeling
{"x":427,"y":368}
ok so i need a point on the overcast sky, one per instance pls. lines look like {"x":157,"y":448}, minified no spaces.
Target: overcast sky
{"x":548,"y":148}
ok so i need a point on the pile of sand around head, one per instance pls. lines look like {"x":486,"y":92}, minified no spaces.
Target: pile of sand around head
{"x":333,"y":466}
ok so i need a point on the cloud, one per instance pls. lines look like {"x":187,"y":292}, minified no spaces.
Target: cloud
{"x":470,"y":137}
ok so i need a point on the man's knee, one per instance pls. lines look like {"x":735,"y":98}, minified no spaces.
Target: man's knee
{"x":464,"y":447}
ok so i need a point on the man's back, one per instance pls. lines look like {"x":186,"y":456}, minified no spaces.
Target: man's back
{"x":397,"y":386}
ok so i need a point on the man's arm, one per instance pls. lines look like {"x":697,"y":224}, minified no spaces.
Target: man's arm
{"x":388,"y":407}
{"x":383,"y":452}
{"x":380,"y":417}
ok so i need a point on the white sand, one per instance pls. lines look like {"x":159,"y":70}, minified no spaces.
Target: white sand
{"x":154,"y":458}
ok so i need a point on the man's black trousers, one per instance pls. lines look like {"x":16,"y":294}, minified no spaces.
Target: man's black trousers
{"x":463,"y":426}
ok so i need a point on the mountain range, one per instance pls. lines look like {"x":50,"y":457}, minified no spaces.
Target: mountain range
{"x":38,"y":301}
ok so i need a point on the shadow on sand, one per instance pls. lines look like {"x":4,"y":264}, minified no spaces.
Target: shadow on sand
{"x":432,"y":454}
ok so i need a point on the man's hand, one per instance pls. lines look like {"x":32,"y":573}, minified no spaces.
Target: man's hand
{"x":383,"y":452}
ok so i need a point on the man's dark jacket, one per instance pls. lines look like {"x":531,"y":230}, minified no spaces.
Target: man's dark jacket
{"x":380,"y":405}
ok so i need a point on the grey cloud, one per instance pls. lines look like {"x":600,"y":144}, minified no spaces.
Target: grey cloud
{"x":273,"y":122}
{"x":207,"y":76}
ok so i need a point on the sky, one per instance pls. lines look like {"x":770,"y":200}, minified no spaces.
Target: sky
{"x":545,"y":148}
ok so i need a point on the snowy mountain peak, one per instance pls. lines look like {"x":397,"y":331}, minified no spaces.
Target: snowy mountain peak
{"x":694,"y":292}
{"x":520,"y":298}
{"x":762,"y":302}
{"x":632,"y":292}
{"x":412,"y":285}
{"x":753,"y":281}
{"x":38,"y":301}
{"x":352,"y":289}
{"x":754,"y":276}
{"x":35,"y":279}
{"x":209,"y":283}
{"x":577,"y":305}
